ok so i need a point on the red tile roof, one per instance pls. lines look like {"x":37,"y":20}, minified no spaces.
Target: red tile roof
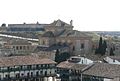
{"x":104,"y":70}
{"x":23,"y":60}
{"x":68,"y":65}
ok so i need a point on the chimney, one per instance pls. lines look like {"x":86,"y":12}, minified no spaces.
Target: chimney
{"x":71,"y":22}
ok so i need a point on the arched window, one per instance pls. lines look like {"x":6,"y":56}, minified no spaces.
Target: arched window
{"x":37,"y":73}
{"x":45,"y":73}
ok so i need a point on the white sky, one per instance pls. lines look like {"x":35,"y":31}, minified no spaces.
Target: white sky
{"x":87,"y":15}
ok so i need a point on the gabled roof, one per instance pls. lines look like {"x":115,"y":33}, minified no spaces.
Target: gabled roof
{"x":69,"y":65}
{"x":23,"y":60}
{"x":73,"y":33}
{"x":104,"y":70}
{"x":59,"y":23}
{"x":51,"y":48}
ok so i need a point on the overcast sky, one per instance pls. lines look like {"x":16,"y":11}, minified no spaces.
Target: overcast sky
{"x":87,"y":15}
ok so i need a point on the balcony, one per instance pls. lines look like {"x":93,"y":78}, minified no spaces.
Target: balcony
{"x":24,"y":69}
{"x":27,"y":77}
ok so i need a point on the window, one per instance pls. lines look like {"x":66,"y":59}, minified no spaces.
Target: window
{"x":41,"y":72}
{"x":41,"y":65}
{"x":20,"y":47}
{"x":17,"y":75}
{"x":43,"y":42}
{"x":22,"y":74}
{"x":82,"y":46}
{"x":29,"y":67}
{"x":48,"y":65}
{"x":37,"y":73}
{"x":31,"y":74}
{"x":16,"y":47}
{"x":37,"y":66}
{"x":45,"y":72}
{"x":28,"y":74}
{"x":7,"y":76}
{"x":8,"y":68}
{"x":45,"y":65}
{"x":0,"y":77}
{"x":73,"y":48}
{"x":28,"y":48}
{"x":13,"y":46}
{"x":24,"y":47}
{"x":82,"y":61}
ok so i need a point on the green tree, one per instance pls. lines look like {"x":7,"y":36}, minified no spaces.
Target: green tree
{"x":111,"y":52}
{"x":103,"y":48}
{"x":57,"y":55}
{"x":100,"y":46}
{"x":96,"y":51}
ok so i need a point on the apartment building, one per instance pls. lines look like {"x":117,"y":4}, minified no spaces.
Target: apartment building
{"x":26,"y":68}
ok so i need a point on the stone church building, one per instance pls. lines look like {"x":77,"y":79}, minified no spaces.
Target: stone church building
{"x":60,"y":32}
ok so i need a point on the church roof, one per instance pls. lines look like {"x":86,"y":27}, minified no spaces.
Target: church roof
{"x":48,"y":34}
{"x":59,"y":23}
{"x":73,"y":33}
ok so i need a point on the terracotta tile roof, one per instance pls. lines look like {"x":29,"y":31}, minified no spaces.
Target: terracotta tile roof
{"x":74,"y":33}
{"x":68,"y":65}
{"x":23,"y":60}
{"x":65,"y":65}
{"x":97,"y":69}
{"x":104,"y":70}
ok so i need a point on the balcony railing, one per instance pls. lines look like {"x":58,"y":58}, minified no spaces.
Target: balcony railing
{"x":27,"y":77}
{"x":24,"y":69}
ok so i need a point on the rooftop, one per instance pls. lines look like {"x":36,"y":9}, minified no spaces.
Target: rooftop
{"x":104,"y":70}
{"x":68,"y":65}
{"x":23,"y":60}
{"x":115,"y":57}
{"x":59,"y":23}
{"x":73,"y":33}
{"x":51,"y":48}
{"x":18,"y":42}
{"x":48,"y":34}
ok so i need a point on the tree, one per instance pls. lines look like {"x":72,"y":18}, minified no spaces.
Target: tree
{"x":57,"y":55}
{"x":99,"y":49}
{"x":96,"y":51}
{"x":111,"y":52}
{"x":100,"y":42}
{"x":103,"y":48}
